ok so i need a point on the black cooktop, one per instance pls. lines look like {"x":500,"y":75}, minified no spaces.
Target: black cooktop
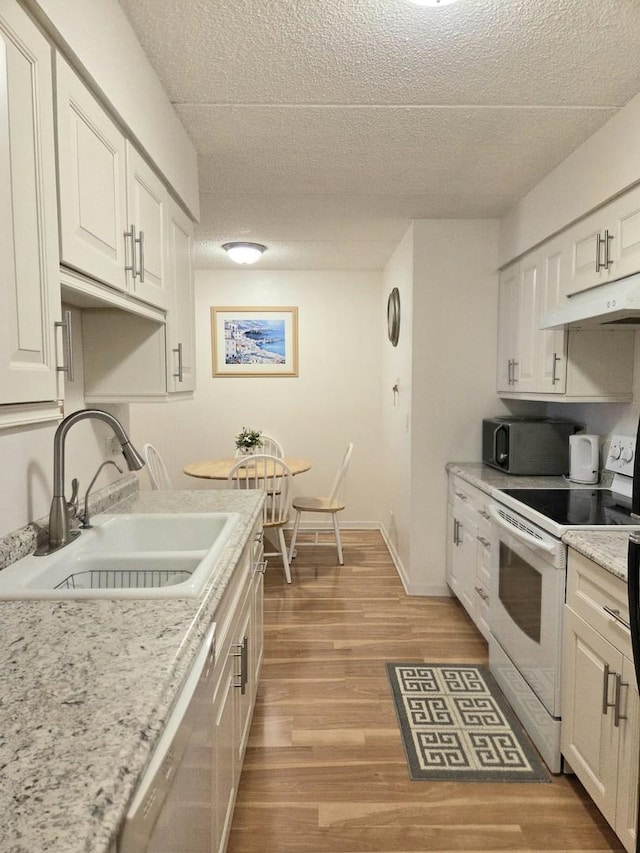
{"x":574,"y":506}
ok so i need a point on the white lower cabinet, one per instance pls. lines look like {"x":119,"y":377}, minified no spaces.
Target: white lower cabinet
{"x":238,"y":656}
{"x":599,"y":694}
{"x":469,"y":549}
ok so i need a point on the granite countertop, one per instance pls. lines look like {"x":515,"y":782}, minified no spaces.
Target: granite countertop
{"x":85,"y":688}
{"x":607,"y":548}
{"x":491,"y":480}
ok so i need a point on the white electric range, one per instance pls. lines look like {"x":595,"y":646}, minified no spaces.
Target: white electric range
{"x":527,"y":586}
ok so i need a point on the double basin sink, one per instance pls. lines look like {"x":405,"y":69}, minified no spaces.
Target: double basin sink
{"x":127,"y":556}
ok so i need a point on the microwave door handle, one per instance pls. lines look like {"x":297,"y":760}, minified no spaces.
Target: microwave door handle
{"x":633,"y":592}
{"x":496,"y":459}
{"x":547,"y":547}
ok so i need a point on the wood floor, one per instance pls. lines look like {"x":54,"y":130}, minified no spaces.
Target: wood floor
{"x":325,"y":769}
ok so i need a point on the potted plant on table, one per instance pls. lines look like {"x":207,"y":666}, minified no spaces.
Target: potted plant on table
{"x":249,"y":440}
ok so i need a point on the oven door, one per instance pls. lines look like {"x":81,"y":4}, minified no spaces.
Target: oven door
{"x":527,"y":589}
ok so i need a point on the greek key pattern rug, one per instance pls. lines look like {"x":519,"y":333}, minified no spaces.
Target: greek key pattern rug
{"x":456,"y":725}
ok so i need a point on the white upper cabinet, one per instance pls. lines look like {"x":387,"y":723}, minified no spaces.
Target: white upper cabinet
{"x":605,"y":245}
{"x":112,"y":204}
{"x":29,"y":287}
{"x":181,"y":319}
{"x":541,"y":364}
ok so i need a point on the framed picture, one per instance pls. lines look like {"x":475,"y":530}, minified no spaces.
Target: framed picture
{"x":254,"y":341}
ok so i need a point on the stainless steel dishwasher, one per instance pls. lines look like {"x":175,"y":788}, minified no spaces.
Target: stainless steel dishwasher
{"x":173,"y":804}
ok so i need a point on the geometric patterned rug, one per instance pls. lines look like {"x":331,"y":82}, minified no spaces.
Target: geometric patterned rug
{"x":456,"y":725}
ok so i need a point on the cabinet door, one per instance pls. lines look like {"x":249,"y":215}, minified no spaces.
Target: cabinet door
{"x":624,"y":223}
{"x":225,"y":728}
{"x":181,"y":317}
{"x":92,"y":183}
{"x":508,"y":307}
{"x":465,"y":555}
{"x":590,"y":740}
{"x":146,"y":215}
{"x":551,"y":369}
{"x":617,"y":225}
{"x":627,"y":801}
{"x":29,"y":287}
{"x":527,"y":332}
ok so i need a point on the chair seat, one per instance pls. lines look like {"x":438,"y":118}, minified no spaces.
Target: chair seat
{"x":305,"y":504}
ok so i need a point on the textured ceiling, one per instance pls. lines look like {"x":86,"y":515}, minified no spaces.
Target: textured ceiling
{"x":322,"y":128}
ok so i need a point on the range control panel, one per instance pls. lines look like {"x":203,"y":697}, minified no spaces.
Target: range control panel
{"x":622,"y":451}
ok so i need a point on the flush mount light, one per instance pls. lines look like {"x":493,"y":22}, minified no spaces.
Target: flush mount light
{"x":244,"y":253}
{"x":433,"y":2}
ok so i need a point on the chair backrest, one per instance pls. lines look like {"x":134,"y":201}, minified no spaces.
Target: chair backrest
{"x":270,"y":446}
{"x":337,"y":489}
{"x":158,"y":473}
{"x":268,"y":474}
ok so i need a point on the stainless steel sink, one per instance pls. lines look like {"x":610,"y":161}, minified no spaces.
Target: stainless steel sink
{"x":127,"y":556}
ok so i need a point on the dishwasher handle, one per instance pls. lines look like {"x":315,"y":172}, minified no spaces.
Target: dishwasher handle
{"x":549,"y":547}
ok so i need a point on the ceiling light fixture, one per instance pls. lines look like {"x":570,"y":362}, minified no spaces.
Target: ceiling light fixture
{"x":433,"y":2}
{"x":244,"y":253}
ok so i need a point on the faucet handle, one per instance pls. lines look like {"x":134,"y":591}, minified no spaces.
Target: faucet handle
{"x":72,"y":505}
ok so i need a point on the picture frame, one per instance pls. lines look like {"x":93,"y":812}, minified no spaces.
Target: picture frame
{"x":254,"y":341}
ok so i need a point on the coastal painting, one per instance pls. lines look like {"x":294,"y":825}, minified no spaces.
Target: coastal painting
{"x":254,"y":341}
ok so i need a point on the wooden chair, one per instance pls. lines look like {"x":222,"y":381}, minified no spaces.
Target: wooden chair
{"x":272,"y":476}
{"x":156,"y":468}
{"x":332,"y":505}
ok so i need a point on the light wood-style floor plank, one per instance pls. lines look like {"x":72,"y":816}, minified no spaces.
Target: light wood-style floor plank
{"x":325,"y":770}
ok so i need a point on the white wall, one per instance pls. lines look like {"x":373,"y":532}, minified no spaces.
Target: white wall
{"x":605,"y":164}
{"x":446,"y":362}
{"x":334,"y":400}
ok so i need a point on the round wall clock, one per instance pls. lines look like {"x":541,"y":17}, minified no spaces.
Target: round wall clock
{"x":393,"y":316}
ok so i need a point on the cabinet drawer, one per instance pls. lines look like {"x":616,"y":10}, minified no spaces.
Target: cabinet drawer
{"x":590,"y":589}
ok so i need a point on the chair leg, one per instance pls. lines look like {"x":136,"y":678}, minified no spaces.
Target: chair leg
{"x":283,"y":552}
{"x":336,"y":530}
{"x":294,"y":536}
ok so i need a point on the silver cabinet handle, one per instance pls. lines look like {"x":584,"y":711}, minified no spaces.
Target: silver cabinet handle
{"x":607,"y":240}
{"x":178,"y":350}
{"x":617,"y":716}
{"x":484,"y":514}
{"x":461,"y":495}
{"x":242,"y":653}
{"x":67,"y":339}
{"x":484,"y":542}
{"x":131,"y":235}
{"x":515,"y":364}
{"x":554,"y":376}
{"x":510,"y":372}
{"x":605,"y":690}
{"x":615,"y":613}
{"x":456,"y":531}
{"x":483,"y":595}
{"x":599,"y":264}
{"x":140,"y":242}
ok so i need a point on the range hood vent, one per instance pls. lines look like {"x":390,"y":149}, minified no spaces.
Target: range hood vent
{"x":610,"y":305}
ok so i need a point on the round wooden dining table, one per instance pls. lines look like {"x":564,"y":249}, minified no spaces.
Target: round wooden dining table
{"x":219,"y":469}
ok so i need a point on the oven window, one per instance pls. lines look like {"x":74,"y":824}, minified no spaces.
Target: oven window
{"x":520,"y":592}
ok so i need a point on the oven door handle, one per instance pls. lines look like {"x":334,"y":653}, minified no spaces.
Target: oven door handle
{"x":547,"y":547}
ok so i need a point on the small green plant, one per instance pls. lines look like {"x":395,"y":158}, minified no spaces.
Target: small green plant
{"x":247,"y":439}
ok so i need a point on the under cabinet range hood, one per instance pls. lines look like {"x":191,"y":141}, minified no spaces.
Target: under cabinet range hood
{"x":610,"y":305}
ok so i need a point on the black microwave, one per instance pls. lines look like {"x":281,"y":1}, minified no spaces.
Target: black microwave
{"x":533,"y":446}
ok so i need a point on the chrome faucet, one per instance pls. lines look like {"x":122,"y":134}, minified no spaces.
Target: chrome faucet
{"x":61,"y":512}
